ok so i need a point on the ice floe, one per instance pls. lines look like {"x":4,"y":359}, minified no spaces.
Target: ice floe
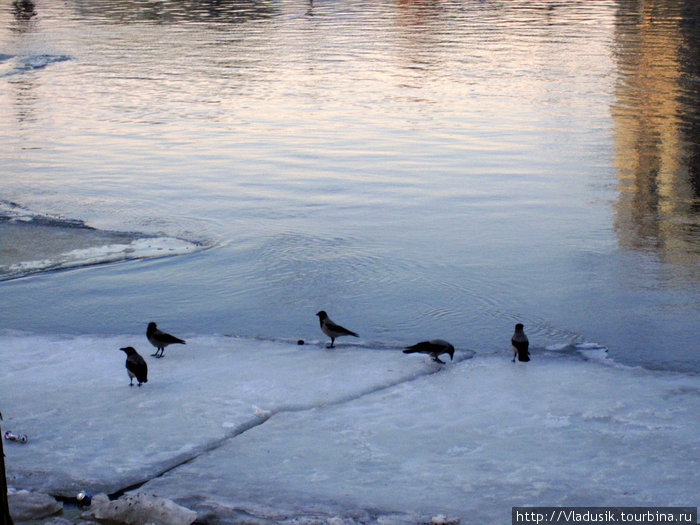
{"x":248,"y":430}
{"x":34,"y":243}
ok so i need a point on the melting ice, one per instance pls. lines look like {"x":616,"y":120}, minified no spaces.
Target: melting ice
{"x":34,"y":243}
{"x":17,"y":64}
{"x":252,"y":429}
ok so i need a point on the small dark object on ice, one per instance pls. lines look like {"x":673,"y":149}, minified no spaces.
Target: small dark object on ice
{"x":84,"y":499}
{"x":19,"y":438}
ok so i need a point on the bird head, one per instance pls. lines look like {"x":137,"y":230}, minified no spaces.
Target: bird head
{"x":128,"y":350}
{"x":322,"y":315}
{"x":519,"y":327}
{"x":451,"y":351}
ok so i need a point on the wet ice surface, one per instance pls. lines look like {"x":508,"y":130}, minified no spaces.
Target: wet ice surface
{"x":99,"y":248}
{"x":242,"y":428}
{"x":87,"y":428}
{"x":25,"y":505}
{"x":33,"y":243}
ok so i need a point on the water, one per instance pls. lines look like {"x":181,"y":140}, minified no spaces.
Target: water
{"x":417,"y":169}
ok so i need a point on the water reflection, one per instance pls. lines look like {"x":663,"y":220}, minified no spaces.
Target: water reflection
{"x":23,"y":10}
{"x":24,"y":13}
{"x":174,"y":11}
{"x":23,"y":93}
{"x":657,"y":129}
{"x":24,"y":98}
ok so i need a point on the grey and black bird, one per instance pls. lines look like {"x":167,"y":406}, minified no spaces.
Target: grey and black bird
{"x":520,"y":344}
{"x":331,"y":329}
{"x":160,"y":339}
{"x":434,"y":348}
{"x":136,"y":367}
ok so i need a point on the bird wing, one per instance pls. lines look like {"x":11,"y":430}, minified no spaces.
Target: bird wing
{"x":136,"y":364}
{"x":520,"y":344}
{"x":433,"y":347}
{"x":330,"y":325}
{"x":424,"y":347}
{"x":167,"y":338}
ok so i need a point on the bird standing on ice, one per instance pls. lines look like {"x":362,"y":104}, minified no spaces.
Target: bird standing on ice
{"x":136,"y":367}
{"x":520,"y":344}
{"x":331,"y":329}
{"x":434,"y":348}
{"x":160,"y":339}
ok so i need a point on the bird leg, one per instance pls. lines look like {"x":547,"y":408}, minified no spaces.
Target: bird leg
{"x":436,"y":358}
{"x":331,"y":345}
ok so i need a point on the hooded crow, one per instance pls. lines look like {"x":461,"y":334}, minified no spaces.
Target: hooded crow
{"x":331,"y":329}
{"x":160,"y":339}
{"x":433,"y":348}
{"x":136,"y":367}
{"x":520,"y":344}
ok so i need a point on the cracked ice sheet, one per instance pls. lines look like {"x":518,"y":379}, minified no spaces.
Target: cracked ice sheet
{"x":468,"y":442}
{"x":89,"y":430}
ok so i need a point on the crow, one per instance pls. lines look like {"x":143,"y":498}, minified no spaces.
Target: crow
{"x":331,"y":329}
{"x":520,"y":344}
{"x":433,"y":348}
{"x":160,"y":339}
{"x":136,"y":367}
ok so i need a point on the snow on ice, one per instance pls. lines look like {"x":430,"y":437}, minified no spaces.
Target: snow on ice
{"x":26,"y":505}
{"x":141,"y":248}
{"x":272,"y":431}
{"x":139,"y":508}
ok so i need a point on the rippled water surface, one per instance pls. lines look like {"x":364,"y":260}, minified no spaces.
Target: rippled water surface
{"x":416,"y":168}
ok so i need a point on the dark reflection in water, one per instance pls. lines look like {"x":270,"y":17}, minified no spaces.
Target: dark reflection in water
{"x":24,"y":12}
{"x":690,"y":83}
{"x":24,"y":97}
{"x":24,"y":9}
{"x":23,"y":92}
{"x":174,"y":11}
{"x":657,"y":130}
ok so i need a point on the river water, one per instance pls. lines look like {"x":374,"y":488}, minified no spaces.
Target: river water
{"x":418,"y":169}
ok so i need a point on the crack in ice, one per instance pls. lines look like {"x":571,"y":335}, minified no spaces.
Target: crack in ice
{"x":265,"y":415}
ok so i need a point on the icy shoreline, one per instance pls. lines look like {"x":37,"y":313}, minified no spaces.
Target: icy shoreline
{"x":244,"y":429}
{"x":34,"y":243}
